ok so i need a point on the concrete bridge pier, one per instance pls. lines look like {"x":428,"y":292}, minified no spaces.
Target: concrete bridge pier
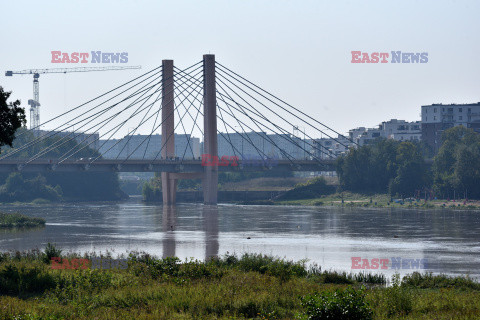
{"x":169,"y":183}
{"x":210,"y":145}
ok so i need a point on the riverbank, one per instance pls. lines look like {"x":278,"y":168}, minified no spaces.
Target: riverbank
{"x":251,"y":286}
{"x":17,"y":220}
{"x":347,"y":199}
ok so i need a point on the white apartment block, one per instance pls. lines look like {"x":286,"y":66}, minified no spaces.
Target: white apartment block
{"x":260,"y":144}
{"x":145,"y":147}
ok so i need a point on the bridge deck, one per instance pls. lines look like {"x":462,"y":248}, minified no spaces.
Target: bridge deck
{"x":158,"y":166}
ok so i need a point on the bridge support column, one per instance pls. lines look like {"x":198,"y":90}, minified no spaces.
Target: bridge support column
{"x":210,"y":145}
{"x":169,"y":184}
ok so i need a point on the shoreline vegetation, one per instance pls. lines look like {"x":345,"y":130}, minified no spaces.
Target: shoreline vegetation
{"x":356,"y":200}
{"x":251,"y":286}
{"x":19,"y":221}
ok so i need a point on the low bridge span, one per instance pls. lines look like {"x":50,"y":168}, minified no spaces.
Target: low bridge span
{"x":185,"y":166}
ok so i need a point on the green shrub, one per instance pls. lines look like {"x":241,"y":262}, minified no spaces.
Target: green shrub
{"x":195,"y":269}
{"x":50,"y":252}
{"x":336,"y":277}
{"x":18,"y":279}
{"x":314,"y":188}
{"x":364,"y":277}
{"x":272,"y":266}
{"x":17,"y":220}
{"x":348,"y":304}
{"x":428,"y":280}
{"x":398,"y":300}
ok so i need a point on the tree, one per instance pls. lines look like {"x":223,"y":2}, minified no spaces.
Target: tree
{"x":412,"y":172}
{"x":12,"y":117}
{"x":369,"y":168}
{"x":456,"y":167}
{"x":384,"y":165}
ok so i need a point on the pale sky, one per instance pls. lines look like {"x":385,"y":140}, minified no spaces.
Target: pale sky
{"x":298,"y":50}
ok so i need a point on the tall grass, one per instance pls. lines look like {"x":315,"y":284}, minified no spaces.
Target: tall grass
{"x":428,"y":280}
{"x":228,"y":287}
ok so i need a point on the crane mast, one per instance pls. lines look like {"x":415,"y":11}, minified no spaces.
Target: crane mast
{"x":35,"y":102}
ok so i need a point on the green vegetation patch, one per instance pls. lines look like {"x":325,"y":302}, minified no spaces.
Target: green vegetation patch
{"x":18,"y":220}
{"x":313,"y":188}
{"x":251,"y":286}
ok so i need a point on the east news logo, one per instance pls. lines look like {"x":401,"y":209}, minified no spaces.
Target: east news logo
{"x":94,"y":56}
{"x":393,"y":263}
{"x":395,"y":57}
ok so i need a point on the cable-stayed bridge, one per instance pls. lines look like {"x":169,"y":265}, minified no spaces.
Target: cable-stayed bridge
{"x":205,"y":99}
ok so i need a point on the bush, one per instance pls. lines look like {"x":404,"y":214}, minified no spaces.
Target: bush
{"x":16,"y":188}
{"x":313,"y":188}
{"x":364,"y":277}
{"x":272,"y":266}
{"x":428,"y":280}
{"x":18,"y":279}
{"x":263,"y":264}
{"x":336,"y":277}
{"x":398,"y":300}
{"x":348,"y":304}
{"x":50,"y":252}
{"x":17,"y":220}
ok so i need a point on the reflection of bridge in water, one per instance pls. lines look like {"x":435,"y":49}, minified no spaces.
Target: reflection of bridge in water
{"x":216,"y":102}
{"x":210,"y":226}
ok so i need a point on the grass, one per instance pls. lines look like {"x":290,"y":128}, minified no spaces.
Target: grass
{"x":251,"y":286}
{"x":17,"y":220}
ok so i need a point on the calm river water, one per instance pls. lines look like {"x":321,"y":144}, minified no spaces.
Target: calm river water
{"x":449,"y":241}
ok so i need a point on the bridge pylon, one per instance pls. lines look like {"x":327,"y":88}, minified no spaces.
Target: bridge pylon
{"x":169,"y":183}
{"x":210,"y":144}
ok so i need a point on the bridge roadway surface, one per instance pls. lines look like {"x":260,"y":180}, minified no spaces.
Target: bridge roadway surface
{"x":46,"y":165}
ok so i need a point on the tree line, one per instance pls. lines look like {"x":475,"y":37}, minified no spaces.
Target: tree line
{"x":400,"y":169}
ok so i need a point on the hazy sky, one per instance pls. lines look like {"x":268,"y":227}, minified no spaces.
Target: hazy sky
{"x":299,"y":50}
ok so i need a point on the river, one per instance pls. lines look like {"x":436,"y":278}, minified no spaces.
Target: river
{"x":447,"y":241}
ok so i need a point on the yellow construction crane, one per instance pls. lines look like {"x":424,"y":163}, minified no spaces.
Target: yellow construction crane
{"x":35,"y":102}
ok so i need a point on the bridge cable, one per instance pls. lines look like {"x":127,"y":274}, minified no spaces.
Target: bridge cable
{"x":278,"y":115}
{"x":238,"y":133}
{"x":222,"y":66}
{"x":169,"y":115}
{"x":85,"y":103}
{"x":218,"y":131}
{"x":54,"y":132}
{"x":262,"y":116}
{"x":121,"y":140}
{"x":45,"y":150}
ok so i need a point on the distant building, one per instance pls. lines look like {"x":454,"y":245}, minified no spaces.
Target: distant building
{"x":399,"y":130}
{"x":148,"y":147}
{"x":363,"y":136}
{"x":260,"y":144}
{"x":329,"y":148}
{"x":89,"y":139}
{"x":437,"y":118}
